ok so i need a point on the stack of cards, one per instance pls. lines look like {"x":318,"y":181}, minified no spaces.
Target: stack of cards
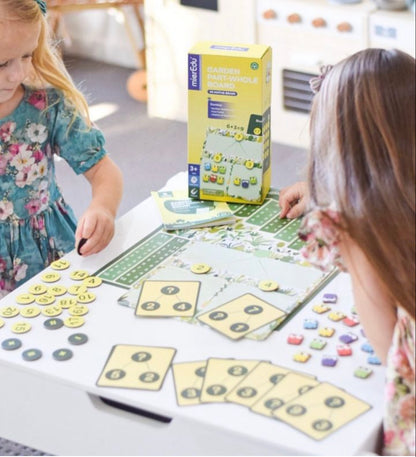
{"x":298,"y":399}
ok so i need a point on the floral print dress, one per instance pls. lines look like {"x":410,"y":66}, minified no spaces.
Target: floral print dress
{"x":319,"y":232}
{"x":36,"y":225}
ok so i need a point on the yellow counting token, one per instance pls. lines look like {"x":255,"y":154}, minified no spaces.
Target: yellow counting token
{"x":268,"y":285}
{"x":66,"y":303}
{"x":57,"y":290}
{"x":51,"y":277}
{"x":87,"y":297}
{"x":75,"y":290}
{"x":37,"y":289}
{"x":60,"y":264}
{"x":200,"y":268}
{"x":30,"y":311}
{"x":9,"y":311}
{"x":52,"y":310}
{"x":78,"y":310}
{"x":1,"y":323}
{"x":79,"y":275}
{"x":25,"y":299}
{"x":74,"y":321}
{"x":92,"y":281}
{"x":21,"y":327}
{"x":45,"y":299}
{"x":249,"y":164}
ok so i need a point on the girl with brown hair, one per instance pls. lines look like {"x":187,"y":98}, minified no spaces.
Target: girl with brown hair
{"x":360,"y":210}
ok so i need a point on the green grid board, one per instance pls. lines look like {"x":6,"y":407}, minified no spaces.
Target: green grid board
{"x":131,"y":265}
{"x":264,"y":213}
{"x":289,"y":232}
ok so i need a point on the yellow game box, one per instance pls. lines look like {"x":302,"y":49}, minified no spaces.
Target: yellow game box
{"x":229,"y":97}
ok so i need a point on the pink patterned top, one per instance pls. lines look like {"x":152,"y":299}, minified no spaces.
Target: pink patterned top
{"x":319,"y":231}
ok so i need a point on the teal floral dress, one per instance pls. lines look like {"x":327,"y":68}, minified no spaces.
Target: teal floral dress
{"x":36,"y":225}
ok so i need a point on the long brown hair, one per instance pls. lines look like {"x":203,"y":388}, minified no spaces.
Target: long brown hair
{"x":362,"y":158}
{"x":48,"y":67}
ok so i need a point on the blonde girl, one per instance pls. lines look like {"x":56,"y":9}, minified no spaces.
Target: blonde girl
{"x":42,"y":114}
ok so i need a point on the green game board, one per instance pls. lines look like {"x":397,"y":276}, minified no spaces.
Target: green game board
{"x":258,"y":246}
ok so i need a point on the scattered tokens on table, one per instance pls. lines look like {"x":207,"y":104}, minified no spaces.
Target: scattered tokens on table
{"x":78,"y":338}
{"x":37,"y":289}
{"x":9,"y":311}
{"x":79,"y":275}
{"x":31,"y":355}
{"x":268,"y":285}
{"x":53,"y":323}
{"x":61,"y":264}
{"x":25,"y":299}
{"x":21,"y":327}
{"x":200,"y":268}
{"x":92,"y":281}
{"x":62,"y":354}
{"x":30,"y":311}
{"x":10,"y":344}
{"x":74,"y":321}
{"x":45,"y":299}
{"x":51,"y":276}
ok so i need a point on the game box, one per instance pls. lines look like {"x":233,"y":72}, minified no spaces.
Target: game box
{"x":229,"y":94}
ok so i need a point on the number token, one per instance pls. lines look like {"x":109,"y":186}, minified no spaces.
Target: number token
{"x":21,"y":327}
{"x":92,"y":281}
{"x":200,"y":268}
{"x":37,"y":289}
{"x":75,"y":290}
{"x":88,"y":297}
{"x":78,"y":338}
{"x":52,"y":311}
{"x":25,"y":299}
{"x":62,"y":354}
{"x":31,"y":354}
{"x":78,"y":310}
{"x":1,"y":323}
{"x":79,"y":275}
{"x":11,"y":344}
{"x":45,"y":299}
{"x":30,"y":311}
{"x":53,"y":324}
{"x":57,"y":290}
{"x":9,"y":311}
{"x":66,"y":303}
{"x":60,"y":264}
{"x":268,"y":286}
{"x":74,"y":321}
{"x":51,"y":277}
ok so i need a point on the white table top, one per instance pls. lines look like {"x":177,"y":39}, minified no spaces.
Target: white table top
{"x":108,"y":324}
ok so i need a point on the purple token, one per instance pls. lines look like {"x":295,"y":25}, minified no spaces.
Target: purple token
{"x":330,"y":298}
{"x":348,"y":338}
{"x":329,"y":361}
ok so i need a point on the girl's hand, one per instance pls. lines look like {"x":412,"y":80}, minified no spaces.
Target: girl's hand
{"x":293,"y":200}
{"x":96,"y":226}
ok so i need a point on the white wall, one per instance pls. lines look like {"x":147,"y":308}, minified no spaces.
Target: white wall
{"x":101,"y":35}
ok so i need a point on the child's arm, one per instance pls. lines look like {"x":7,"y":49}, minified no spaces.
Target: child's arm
{"x":377,"y":313}
{"x":293,"y":200}
{"x":97,"y":223}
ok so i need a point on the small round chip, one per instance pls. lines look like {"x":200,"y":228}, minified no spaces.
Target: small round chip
{"x":200,"y":268}
{"x":268,"y":285}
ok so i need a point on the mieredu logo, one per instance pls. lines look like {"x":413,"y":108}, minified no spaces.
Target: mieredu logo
{"x":194,"y":72}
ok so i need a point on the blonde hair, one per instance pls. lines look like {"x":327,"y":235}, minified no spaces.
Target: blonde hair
{"x":48,"y":67}
{"x":362,"y":158}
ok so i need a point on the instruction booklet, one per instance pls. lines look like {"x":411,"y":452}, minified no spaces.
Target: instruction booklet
{"x":179,"y":211}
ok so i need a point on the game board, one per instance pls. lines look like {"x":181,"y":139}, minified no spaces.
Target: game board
{"x":257,"y":258}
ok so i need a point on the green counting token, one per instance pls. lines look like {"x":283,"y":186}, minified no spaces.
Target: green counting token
{"x":78,"y":338}
{"x":62,"y":354}
{"x":31,"y":355}
{"x":11,"y":344}
{"x":53,"y":323}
